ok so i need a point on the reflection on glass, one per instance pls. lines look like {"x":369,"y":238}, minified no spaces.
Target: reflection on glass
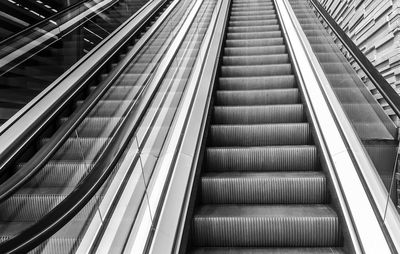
{"x":34,"y":58}
{"x":374,"y":128}
{"x":76,"y":157}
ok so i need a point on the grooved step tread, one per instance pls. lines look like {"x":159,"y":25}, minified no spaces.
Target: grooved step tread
{"x":259,"y":114}
{"x":260,"y":134}
{"x":266,"y":226}
{"x":257,"y":83}
{"x":239,"y":250}
{"x":258,"y":97}
{"x":262,"y":158}
{"x":264,"y":188}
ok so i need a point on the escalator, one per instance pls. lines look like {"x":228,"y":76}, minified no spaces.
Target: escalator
{"x":75,"y":158}
{"x":24,"y":77}
{"x":262,"y":188}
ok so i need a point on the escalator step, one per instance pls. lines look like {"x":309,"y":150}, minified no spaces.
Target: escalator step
{"x":264,"y":188}
{"x":259,"y":114}
{"x":246,"y":22}
{"x":260,"y":134}
{"x":261,"y":226}
{"x":60,"y":173}
{"x":215,"y":250}
{"x":260,"y":60}
{"x":64,"y":241}
{"x":258,"y":97}
{"x":256,"y":70}
{"x":78,"y":149}
{"x":260,"y":15}
{"x":257,"y":83}
{"x":254,"y":43}
{"x":30,"y":204}
{"x":248,"y":36}
{"x":252,"y":28}
{"x":96,"y":126}
{"x":269,"y":158}
{"x":254,"y":51}
{"x":108,"y":108}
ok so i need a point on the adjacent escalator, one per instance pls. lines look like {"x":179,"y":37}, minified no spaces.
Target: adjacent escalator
{"x":74,"y":160}
{"x":262,"y":188}
{"x":32,"y":59}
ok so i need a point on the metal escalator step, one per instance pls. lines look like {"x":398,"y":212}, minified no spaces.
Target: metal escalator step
{"x":256,"y":70}
{"x":251,"y":6}
{"x":248,"y":10}
{"x":30,"y":204}
{"x":266,"y":226}
{"x":258,"y":97}
{"x":96,"y":126}
{"x":236,"y":9}
{"x":267,"y":158}
{"x":122,"y":92}
{"x":253,"y":28}
{"x":59,"y":174}
{"x":248,"y":4}
{"x":254,"y":51}
{"x":260,"y":134}
{"x":259,"y":114}
{"x":64,"y":241}
{"x":264,"y":188}
{"x":260,"y":22}
{"x":250,"y":36}
{"x":254,"y":43}
{"x":240,"y":250}
{"x":109,"y":108}
{"x":79,"y":149}
{"x":257,"y":83}
{"x":259,"y":15}
{"x":259,"y":60}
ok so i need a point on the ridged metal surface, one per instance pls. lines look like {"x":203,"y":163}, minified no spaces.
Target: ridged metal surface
{"x":109,"y":108}
{"x":257,"y":83}
{"x":259,"y":114}
{"x":269,"y":15}
{"x":228,"y":250}
{"x":96,"y":126}
{"x":260,"y":226}
{"x":260,"y":134}
{"x":33,"y":204}
{"x":259,"y":35}
{"x":260,"y":60}
{"x":80,"y":149}
{"x":253,"y":28}
{"x":60,"y":173}
{"x":255,"y":51}
{"x":269,"y":158}
{"x":264,"y":188}
{"x":258,"y":97}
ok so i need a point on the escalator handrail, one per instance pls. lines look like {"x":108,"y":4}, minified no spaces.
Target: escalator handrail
{"x":35,"y":164}
{"x":60,"y":215}
{"x":387,"y":91}
{"x":37,"y":24}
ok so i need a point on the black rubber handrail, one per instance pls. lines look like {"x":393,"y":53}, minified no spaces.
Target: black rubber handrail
{"x":387,"y":91}
{"x":54,"y":16}
{"x":103,"y":167}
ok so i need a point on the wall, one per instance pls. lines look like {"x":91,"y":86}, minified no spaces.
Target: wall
{"x":374,"y":26}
